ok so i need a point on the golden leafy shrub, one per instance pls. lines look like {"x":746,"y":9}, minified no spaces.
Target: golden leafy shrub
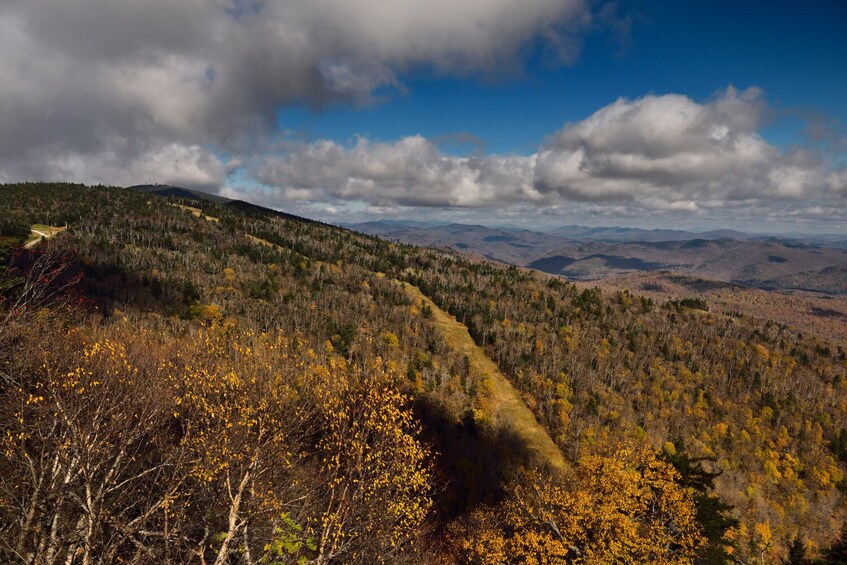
{"x":375,"y":472}
{"x":623,"y":508}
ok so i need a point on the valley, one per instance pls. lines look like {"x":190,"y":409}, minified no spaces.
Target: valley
{"x":811,"y":263}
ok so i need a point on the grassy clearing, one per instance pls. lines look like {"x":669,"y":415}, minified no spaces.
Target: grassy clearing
{"x":260,"y":241}
{"x":40,"y":231}
{"x":197,"y":212}
{"x":509,"y":409}
{"x":48,"y":231}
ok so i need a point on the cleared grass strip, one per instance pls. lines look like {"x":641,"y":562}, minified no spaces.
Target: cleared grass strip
{"x":509,"y":409}
{"x":40,"y":231}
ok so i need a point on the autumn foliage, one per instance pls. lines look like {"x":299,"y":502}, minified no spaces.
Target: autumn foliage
{"x":259,"y":389}
{"x":124,"y":446}
{"x":626,"y":507}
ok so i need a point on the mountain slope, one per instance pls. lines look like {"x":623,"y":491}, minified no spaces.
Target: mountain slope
{"x":506,"y":406}
{"x":264,"y":318}
{"x":179,"y":192}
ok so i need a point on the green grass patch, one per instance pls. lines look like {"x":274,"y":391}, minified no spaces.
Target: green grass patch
{"x":42,"y":231}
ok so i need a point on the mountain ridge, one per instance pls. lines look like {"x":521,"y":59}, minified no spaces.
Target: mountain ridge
{"x":587,"y":254}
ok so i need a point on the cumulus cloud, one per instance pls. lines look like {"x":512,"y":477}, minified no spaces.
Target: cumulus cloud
{"x":671,"y":149}
{"x":179,"y":91}
{"x":190,"y":166}
{"x":79,"y":78}
{"x":409,"y":172}
{"x":657,"y":153}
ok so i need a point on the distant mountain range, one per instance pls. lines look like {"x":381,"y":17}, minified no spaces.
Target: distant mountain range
{"x":814,"y":263}
{"x":618,"y":234}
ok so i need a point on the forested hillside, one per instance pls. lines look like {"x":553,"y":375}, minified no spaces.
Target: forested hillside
{"x":197,"y":381}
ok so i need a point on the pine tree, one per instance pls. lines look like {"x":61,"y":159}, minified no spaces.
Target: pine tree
{"x":837,"y":553}
{"x":713,"y":514}
{"x":797,"y":552}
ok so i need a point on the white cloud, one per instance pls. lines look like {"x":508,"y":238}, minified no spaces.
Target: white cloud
{"x":669,"y":154}
{"x":409,"y":172}
{"x":837,"y":181}
{"x":658,"y":154}
{"x":182,"y":165}
{"x":668,"y":148}
{"x":79,"y":78}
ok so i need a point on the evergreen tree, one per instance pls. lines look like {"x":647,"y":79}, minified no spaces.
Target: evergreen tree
{"x":713,"y":515}
{"x":837,"y":553}
{"x":797,"y":552}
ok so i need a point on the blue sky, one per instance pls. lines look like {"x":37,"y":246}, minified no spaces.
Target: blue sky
{"x":795,"y":52}
{"x":686,"y":114}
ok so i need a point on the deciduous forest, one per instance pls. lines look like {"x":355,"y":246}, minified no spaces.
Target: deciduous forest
{"x":191,"y":381}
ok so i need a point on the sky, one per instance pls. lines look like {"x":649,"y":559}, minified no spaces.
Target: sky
{"x":535,"y":113}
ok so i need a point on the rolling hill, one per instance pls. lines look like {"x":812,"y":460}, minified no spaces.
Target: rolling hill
{"x":587,"y":254}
